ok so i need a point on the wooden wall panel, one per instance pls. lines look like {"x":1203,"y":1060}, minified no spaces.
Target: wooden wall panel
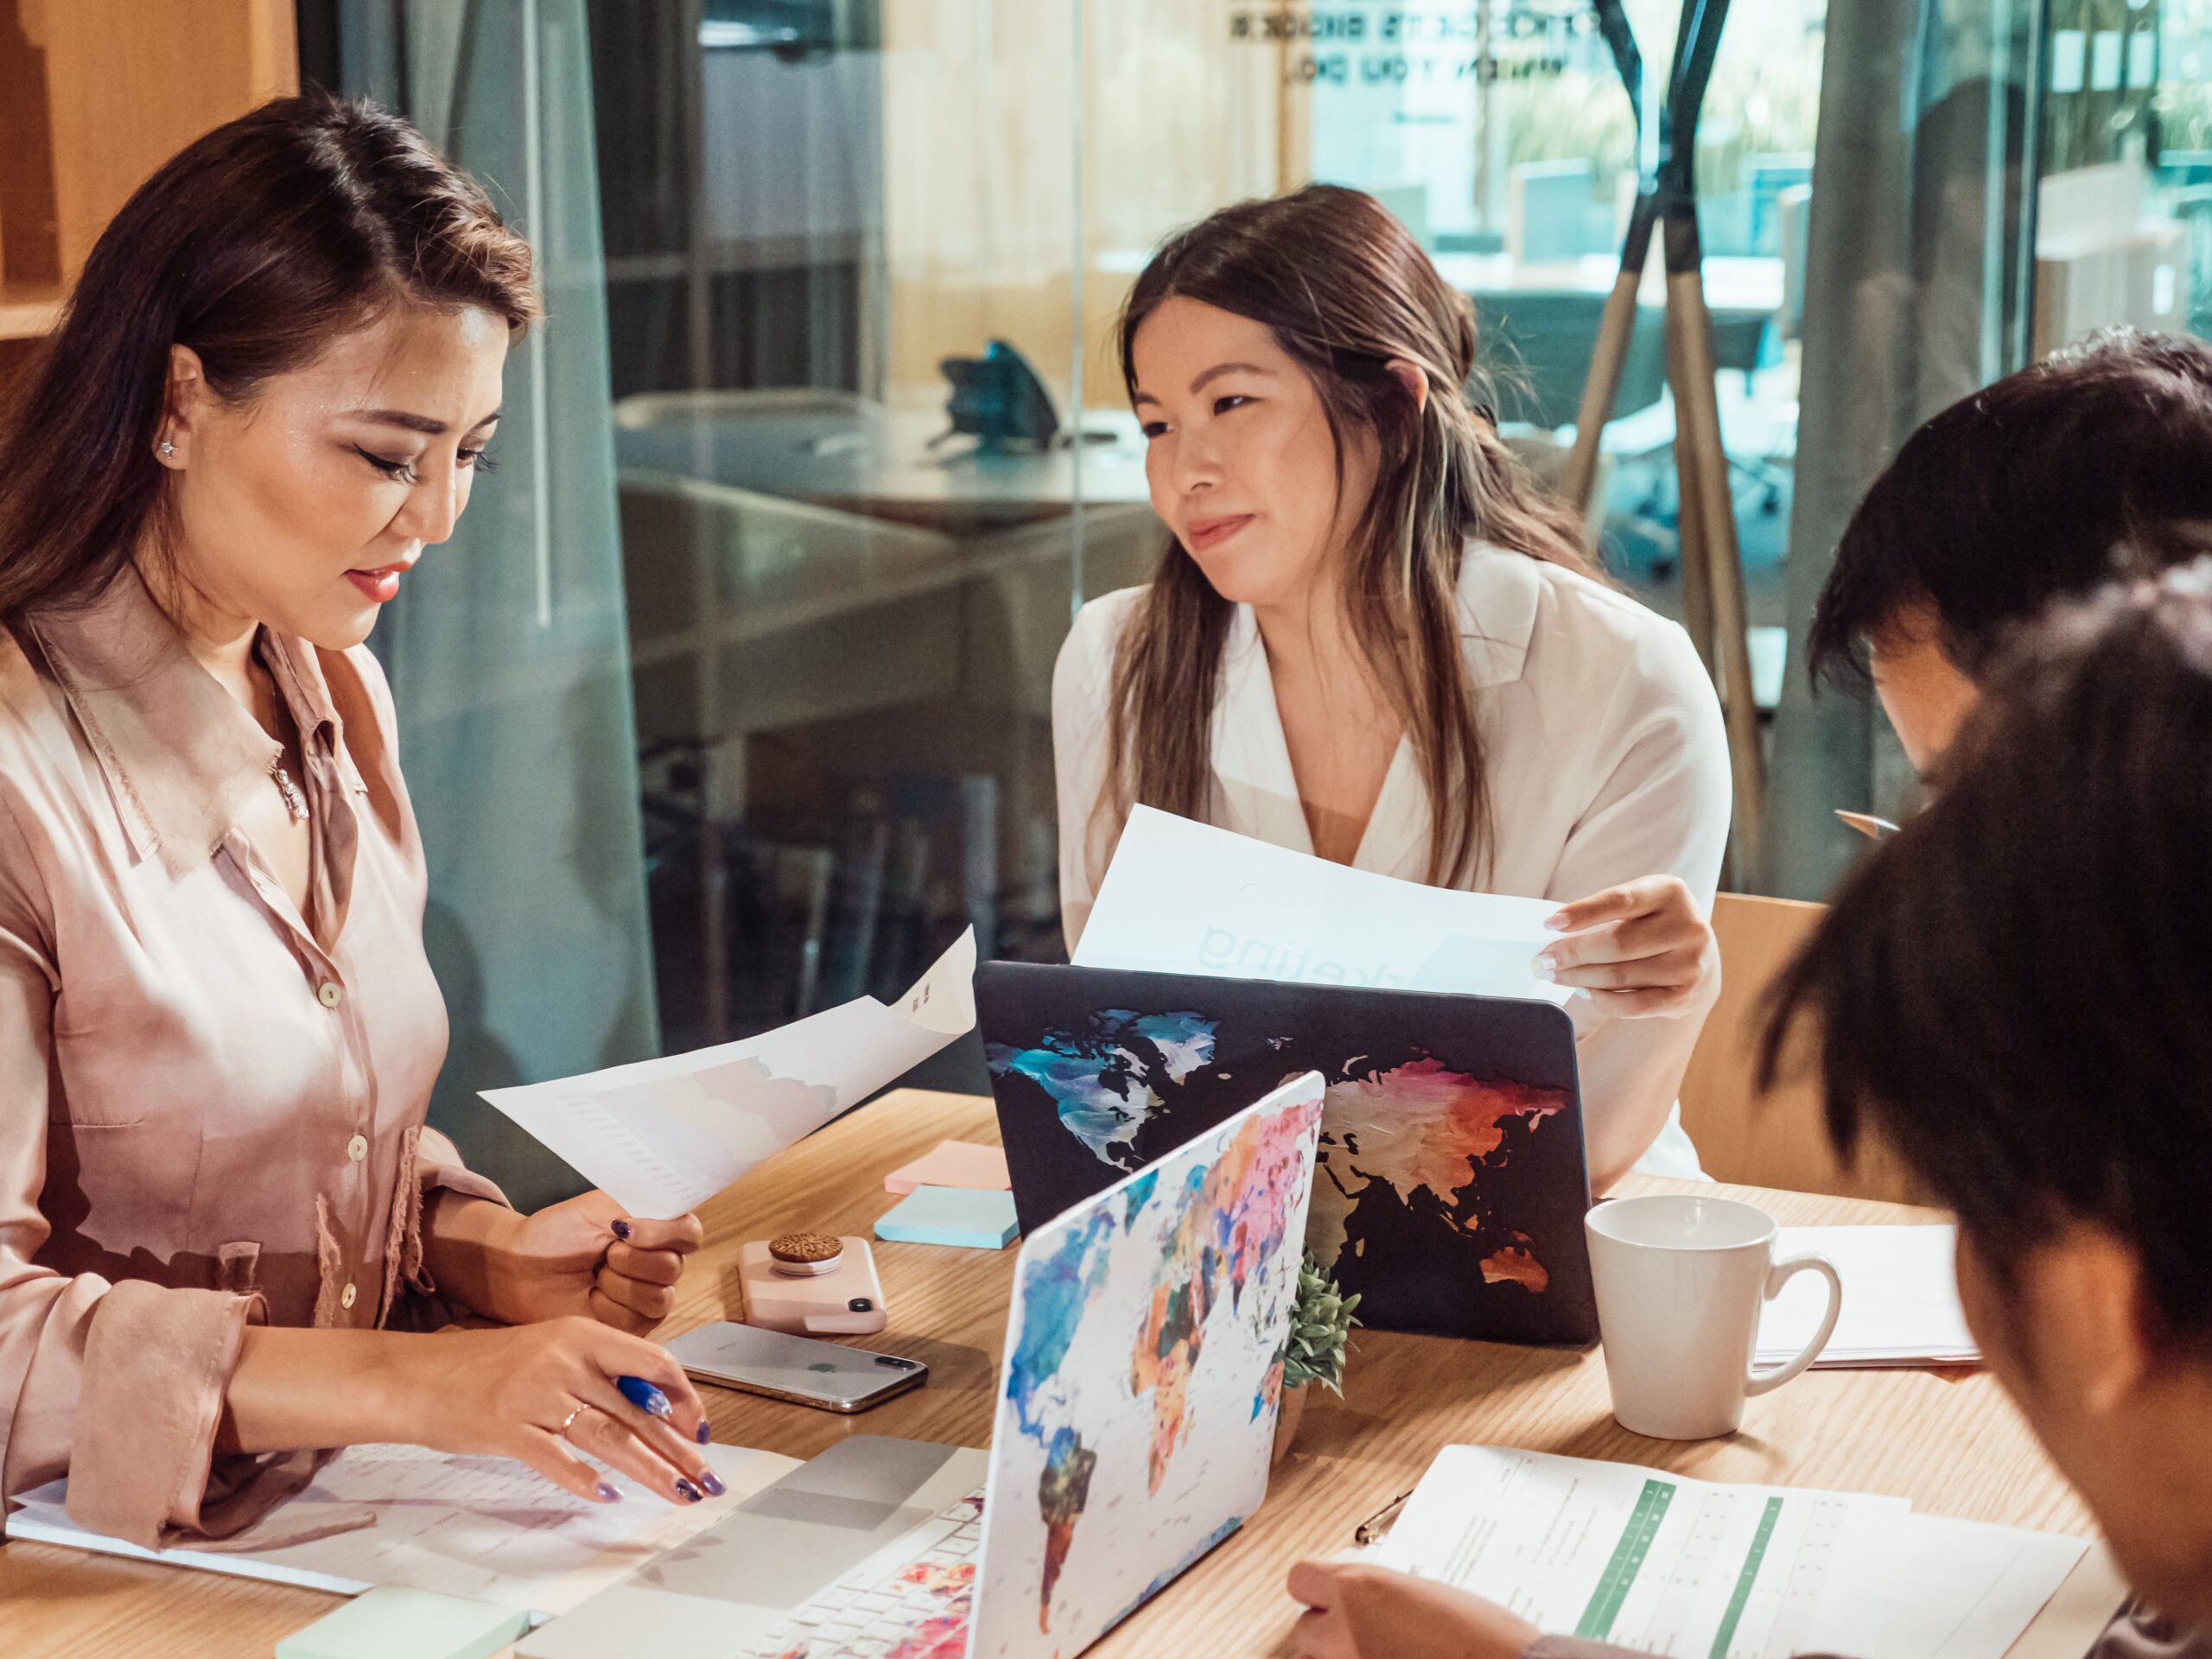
{"x":129,"y":84}
{"x":26,"y":251}
{"x":979,"y":168}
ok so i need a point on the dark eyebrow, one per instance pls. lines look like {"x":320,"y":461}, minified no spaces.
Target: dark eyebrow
{"x":423,"y":423}
{"x":1207,"y":379}
{"x":1220,"y":369}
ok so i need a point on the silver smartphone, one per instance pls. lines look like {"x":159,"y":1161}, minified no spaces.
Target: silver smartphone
{"x":827,"y":1375}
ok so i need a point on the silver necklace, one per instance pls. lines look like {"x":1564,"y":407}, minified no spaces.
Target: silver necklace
{"x":295,"y":802}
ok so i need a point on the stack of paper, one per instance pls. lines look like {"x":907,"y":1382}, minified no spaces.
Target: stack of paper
{"x":1900,"y":1299}
{"x":953,"y":1163}
{"x":964,"y":1216}
{"x":1631,"y":1556}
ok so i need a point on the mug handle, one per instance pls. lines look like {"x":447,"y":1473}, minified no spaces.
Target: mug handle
{"x":1776,"y":1276}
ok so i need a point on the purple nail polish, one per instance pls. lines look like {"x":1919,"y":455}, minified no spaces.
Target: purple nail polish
{"x":608,"y":1494}
{"x":705,"y":1433}
{"x":688,"y":1492}
{"x":622,"y":1230}
{"x":714,"y":1487}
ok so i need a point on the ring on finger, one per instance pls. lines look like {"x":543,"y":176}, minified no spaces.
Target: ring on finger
{"x":569,"y":1421}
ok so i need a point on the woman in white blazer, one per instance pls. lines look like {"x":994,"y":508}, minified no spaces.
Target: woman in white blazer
{"x":1370,"y":639}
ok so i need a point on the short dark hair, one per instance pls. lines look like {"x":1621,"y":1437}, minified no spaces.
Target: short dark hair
{"x":256,"y":245}
{"x":2025,"y":492}
{"x":2014,"y":993}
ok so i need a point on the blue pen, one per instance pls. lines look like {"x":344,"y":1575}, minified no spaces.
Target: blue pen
{"x":644,"y":1396}
{"x":650,"y":1401}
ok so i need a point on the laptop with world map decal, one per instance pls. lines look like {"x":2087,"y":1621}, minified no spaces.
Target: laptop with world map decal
{"x":1451,"y":1180}
{"x":1133,"y":1426}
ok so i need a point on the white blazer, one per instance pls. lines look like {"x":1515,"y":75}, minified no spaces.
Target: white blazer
{"x":1607,"y":758}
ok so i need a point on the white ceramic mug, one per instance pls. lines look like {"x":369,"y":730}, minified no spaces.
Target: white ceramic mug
{"x":1681,"y":1279}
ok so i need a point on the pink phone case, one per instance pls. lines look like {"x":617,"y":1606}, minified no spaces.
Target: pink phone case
{"x":847,"y":1301}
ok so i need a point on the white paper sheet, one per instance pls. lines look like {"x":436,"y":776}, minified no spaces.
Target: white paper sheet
{"x":1655,"y":1562}
{"x":1962,"y":1590}
{"x":1643,"y":1559}
{"x":1185,"y":898}
{"x":488,"y":1528}
{"x":663,"y":1135}
{"x":1900,"y":1298}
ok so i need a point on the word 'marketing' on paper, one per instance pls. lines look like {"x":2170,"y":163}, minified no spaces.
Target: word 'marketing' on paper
{"x":1294,"y":961}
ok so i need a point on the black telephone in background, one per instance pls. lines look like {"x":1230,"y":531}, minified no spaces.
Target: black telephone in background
{"x":999,"y":400}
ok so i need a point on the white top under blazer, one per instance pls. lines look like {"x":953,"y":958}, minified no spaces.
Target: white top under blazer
{"x":1606,"y":757}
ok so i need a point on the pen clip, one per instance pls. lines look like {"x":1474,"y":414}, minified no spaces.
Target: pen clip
{"x":1867,"y":824}
{"x":1377,"y":1524}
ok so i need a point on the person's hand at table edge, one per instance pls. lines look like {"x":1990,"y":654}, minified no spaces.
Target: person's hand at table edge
{"x":550,"y":1395}
{"x":586,"y":1257}
{"x":1356,"y":1610}
{"x":1638,"y":949}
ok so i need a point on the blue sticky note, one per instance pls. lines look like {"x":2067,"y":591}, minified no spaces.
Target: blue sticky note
{"x":388,"y":1619}
{"x":972,"y":1217}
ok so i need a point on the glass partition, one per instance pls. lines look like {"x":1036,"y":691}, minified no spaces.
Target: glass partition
{"x":825,"y":438}
{"x":2124,"y":196}
{"x":841,"y":238}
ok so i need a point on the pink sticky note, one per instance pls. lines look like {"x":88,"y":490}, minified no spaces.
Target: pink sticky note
{"x":953,"y":1163}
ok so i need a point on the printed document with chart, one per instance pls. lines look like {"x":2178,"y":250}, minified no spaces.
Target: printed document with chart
{"x":1614,"y":1553}
{"x":663,"y":1136}
{"x":1641,"y":1558}
{"x":1185,"y":898}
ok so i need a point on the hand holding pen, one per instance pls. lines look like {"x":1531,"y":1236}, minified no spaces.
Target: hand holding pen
{"x":546,"y":1393}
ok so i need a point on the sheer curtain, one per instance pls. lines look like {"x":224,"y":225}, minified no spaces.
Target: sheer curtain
{"x":507,"y":654}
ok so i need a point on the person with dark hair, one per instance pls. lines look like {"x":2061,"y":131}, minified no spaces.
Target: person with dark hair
{"x":221,"y":1212}
{"x":2012,"y":994}
{"x":1370,"y":638}
{"x":2029,"y":489}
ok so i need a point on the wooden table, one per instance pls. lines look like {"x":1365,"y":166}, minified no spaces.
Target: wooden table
{"x":1950,"y":1441}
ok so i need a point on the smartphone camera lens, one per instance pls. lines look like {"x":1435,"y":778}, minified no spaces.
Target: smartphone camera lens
{"x":896,"y":1362}
{"x":862,"y":1305}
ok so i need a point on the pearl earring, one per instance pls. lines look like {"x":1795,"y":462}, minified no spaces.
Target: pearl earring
{"x":167,"y":448}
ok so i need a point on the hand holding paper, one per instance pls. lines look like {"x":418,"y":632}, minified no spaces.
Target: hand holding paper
{"x":663,"y":1136}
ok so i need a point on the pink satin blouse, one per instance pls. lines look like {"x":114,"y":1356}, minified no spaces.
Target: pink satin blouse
{"x":210,"y":1111}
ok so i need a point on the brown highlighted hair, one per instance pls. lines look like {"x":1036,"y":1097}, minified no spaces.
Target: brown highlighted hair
{"x":1345,"y":289}
{"x":257,"y":246}
{"x":2014,"y":993}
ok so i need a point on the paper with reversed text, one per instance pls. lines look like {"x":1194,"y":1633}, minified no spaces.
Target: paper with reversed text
{"x":1185,"y":898}
{"x":486,"y":1528}
{"x":663,"y":1135}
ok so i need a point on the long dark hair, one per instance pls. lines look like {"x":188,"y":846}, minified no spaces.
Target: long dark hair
{"x":1345,"y":289}
{"x":2014,"y":993}
{"x":256,"y":246}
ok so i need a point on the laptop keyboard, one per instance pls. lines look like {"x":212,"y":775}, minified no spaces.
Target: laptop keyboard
{"x":916,"y":1608}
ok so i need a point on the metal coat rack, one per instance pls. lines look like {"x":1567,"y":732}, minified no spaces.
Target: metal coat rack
{"x":1712,"y":563}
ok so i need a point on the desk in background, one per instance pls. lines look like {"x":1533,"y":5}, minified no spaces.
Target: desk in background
{"x":1950,"y":1442}
{"x":834,"y":450}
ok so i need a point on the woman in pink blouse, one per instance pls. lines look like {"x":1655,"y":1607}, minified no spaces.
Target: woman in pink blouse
{"x":225,"y":1237}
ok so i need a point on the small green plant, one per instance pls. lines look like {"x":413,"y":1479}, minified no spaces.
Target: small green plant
{"x":1320,"y":1324}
